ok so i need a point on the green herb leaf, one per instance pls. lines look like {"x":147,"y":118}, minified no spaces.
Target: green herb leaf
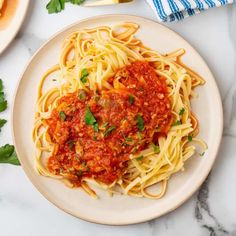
{"x":128,"y":139}
{"x":140,"y":158}
{"x":190,"y":138}
{"x":139,"y":135}
{"x":178,"y":122}
{"x":79,"y":173}
{"x":202,"y":154}
{"x":140,"y":122}
{"x":62,"y":115}
{"x":131,"y":99}
{"x":77,"y":2}
{"x":77,"y":157}
{"x":83,"y":80}
{"x":95,"y":127}
{"x":84,"y":75}
{"x":82,"y":95}
{"x":8,"y":155}
{"x":71,"y":143}
{"x":1,"y":85}
{"x":109,"y":130}
{"x":7,"y":152}
{"x":95,"y":138}
{"x":156,"y":148}
{"x":55,"y":6}
{"x":90,"y":119}
{"x":3,"y":102}
{"x":134,"y":150}
{"x":2,"y":123}
{"x":105,"y":124}
{"x":84,"y":72}
{"x":96,"y":98}
{"x":181,"y":112}
{"x":88,"y":168}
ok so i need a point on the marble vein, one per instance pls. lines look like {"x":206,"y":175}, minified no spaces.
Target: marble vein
{"x":203,"y":213}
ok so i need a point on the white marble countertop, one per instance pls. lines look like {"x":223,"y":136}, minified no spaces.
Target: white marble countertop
{"x":211,"y":211}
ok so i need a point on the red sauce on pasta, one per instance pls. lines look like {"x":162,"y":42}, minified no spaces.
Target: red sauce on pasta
{"x":95,"y":132}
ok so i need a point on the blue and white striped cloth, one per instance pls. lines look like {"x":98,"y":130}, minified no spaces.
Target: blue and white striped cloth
{"x":174,"y":10}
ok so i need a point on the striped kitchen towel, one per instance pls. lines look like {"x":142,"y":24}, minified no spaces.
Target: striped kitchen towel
{"x":174,"y":10}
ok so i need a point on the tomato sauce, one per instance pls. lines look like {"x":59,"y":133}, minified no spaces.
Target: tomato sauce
{"x":122,"y":121}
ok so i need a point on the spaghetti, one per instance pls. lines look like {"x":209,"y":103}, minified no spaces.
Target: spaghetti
{"x":119,"y":117}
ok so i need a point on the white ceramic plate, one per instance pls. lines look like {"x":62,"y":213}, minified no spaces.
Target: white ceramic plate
{"x":10,"y":30}
{"x":119,"y":210}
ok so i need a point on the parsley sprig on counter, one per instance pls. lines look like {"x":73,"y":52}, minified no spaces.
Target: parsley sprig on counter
{"x":3,"y":102}
{"x":55,"y":6}
{"x":7,"y":152}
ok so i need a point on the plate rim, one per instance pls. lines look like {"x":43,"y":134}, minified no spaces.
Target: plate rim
{"x":20,"y":23}
{"x":147,"y":218}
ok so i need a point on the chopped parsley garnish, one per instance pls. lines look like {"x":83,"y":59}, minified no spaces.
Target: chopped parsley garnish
{"x":96,"y":98}
{"x":84,"y":75}
{"x":181,"y":112}
{"x":134,"y":150}
{"x":156,"y":148}
{"x":128,"y":139}
{"x":77,"y":157}
{"x":140,"y":158}
{"x":90,"y":119}
{"x":71,"y":143}
{"x":105,"y":124}
{"x":62,"y":115}
{"x":124,"y":144}
{"x":95,"y":138}
{"x":140,"y":122}
{"x":95,"y":127}
{"x":55,"y":6}
{"x":109,"y":130}
{"x":190,"y":138}
{"x":139,"y":135}
{"x":82,"y":95}
{"x":79,"y":173}
{"x":202,"y":154}
{"x":131,"y":99}
{"x":178,"y":122}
